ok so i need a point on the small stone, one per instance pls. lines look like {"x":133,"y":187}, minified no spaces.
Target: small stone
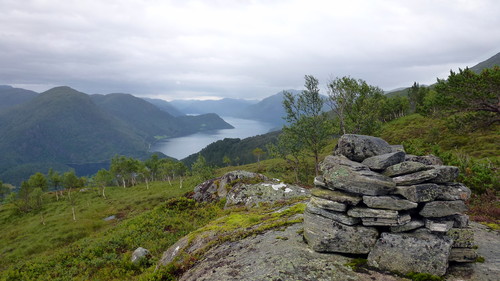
{"x":400,"y":220}
{"x":462,"y":237}
{"x":459,"y":220}
{"x":453,"y":191}
{"x":445,"y":173}
{"x":443,"y":208}
{"x":358,"y":212}
{"x":326,"y":235}
{"x":419,"y":193}
{"x":397,"y":147}
{"x":337,"y":196}
{"x":360,"y":147}
{"x":411,"y":252}
{"x":404,"y":168}
{"x":438,"y":226}
{"x":388,"y":202}
{"x":319,"y":181}
{"x":336,"y":216}
{"x":328,"y":204}
{"x":416,"y":178}
{"x":462,"y":255}
{"x":427,"y":160}
{"x":411,"y":225}
{"x":139,"y":254}
{"x":381,"y":162}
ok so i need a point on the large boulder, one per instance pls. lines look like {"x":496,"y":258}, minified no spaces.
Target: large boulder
{"x":265,"y":192}
{"x":341,"y":173}
{"x":411,"y":252}
{"x":360,"y":147}
{"x":326,"y":235}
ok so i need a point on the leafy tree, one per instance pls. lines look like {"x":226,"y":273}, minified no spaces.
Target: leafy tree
{"x":289,"y":148}
{"x":153,"y":165}
{"x":70,"y":180}
{"x":54,"y":181}
{"x":201,"y":169}
{"x":475,"y":96}
{"x":226,"y":160}
{"x":305,"y":119}
{"x":38,"y":180}
{"x":125,"y":169}
{"x":258,"y":152}
{"x":416,"y":97}
{"x":37,"y":198}
{"x":4,"y":191}
{"x":103,"y":178}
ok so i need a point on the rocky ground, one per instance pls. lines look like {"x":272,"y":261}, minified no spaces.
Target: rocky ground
{"x":283,"y":255}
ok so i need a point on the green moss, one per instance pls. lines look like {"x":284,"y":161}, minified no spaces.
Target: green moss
{"x":423,"y":277}
{"x":494,"y":226}
{"x":480,"y":259}
{"x":357,"y":263}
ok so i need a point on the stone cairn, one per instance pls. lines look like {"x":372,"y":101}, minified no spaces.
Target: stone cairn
{"x":404,"y":211}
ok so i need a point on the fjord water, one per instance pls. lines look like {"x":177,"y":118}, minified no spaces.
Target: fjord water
{"x":182,"y":147}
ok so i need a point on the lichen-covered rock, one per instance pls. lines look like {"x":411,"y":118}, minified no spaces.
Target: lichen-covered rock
{"x":438,"y":226}
{"x":336,"y":216}
{"x":404,"y":168}
{"x":326,"y":235}
{"x":411,"y":252}
{"x":381,"y":162}
{"x":411,"y":225}
{"x":215,"y":189}
{"x":269,"y":192}
{"x":462,"y":237}
{"x":463,"y":255}
{"x":453,"y":191}
{"x":427,"y":159}
{"x":445,"y":173}
{"x":419,"y":193}
{"x":340,"y":173}
{"x":328,"y":204}
{"x":436,"y":209}
{"x":358,"y":212}
{"x":388,"y":202}
{"x":401,"y":219}
{"x":336,"y":195}
{"x":459,"y":220}
{"x":360,"y":147}
{"x":416,"y":178}
{"x":139,"y":254}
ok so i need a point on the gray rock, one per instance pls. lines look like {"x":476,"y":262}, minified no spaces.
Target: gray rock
{"x":336,"y":216}
{"x":397,"y":147}
{"x":354,"y":178}
{"x":401,"y":219}
{"x":416,"y":178}
{"x":326,"y":235}
{"x":459,"y":220}
{"x":360,"y":147}
{"x":411,"y":252}
{"x":445,"y":173}
{"x":427,"y":160}
{"x":419,"y":193}
{"x":438,"y":226}
{"x":462,"y":237}
{"x":337,"y":196}
{"x":388,"y":202}
{"x":411,"y":225}
{"x":463,"y":255}
{"x":359,"y":212}
{"x":319,"y":181}
{"x":443,"y":208}
{"x":453,"y":191}
{"x":328,"y":204}
{"x":268,"y":192}
{"x":139,"y":254}
{"x":381,"y":162}
{"x":404,"y":168}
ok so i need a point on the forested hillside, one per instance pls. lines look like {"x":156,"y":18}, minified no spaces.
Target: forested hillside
{"x":10,"y":96}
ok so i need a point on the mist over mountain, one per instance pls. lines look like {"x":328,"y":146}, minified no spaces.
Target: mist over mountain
{"x":223,"y":107}
{"x":165,"y":106}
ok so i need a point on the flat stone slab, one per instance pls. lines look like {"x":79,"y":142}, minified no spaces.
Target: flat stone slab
{"x":328,"y":204}
{"x":360,"y":147}
{"x":438,"y":226}
{"x":337,"y":196}
{"x":404,"y":168}
{"x":359,"y":212}
{"x":400,"y":220}
{"x":354,"y":177}
{"x":445,"y":173}
{"x":381,"y":162}
{"x":326,"y":235}
{"x":388,"y":202}
{"x":462,"y":237}
{"x":416,"y":178}
{"x":411,"y":252}
{"x":411,"y":225}
{"x":427,"y":159}
{"x":463,"y":255}
{"x":419,"y":193}
{"x":443,"y":208}
{"x":453,"y":191}
{"x":336,"y":216}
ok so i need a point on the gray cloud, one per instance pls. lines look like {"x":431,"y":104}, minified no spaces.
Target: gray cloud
{"x":249,"y":49}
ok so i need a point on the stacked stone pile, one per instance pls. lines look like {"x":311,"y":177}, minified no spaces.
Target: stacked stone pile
{"x":404,"y":211}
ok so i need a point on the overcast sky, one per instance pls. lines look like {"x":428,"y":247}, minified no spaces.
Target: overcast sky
{"x":242,"y":48}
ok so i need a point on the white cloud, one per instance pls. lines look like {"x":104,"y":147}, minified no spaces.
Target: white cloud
{"x":248,"y":49}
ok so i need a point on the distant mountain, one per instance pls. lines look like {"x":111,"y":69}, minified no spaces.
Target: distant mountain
{"x":66,"y":128}
{"x":223,"y":107}
{"x":10,"y":96}
{"x":489,"y":63}
{"x":165,"y":106}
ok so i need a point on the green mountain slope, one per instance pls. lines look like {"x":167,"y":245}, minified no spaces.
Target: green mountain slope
{"x":489,"y":63}
{"x":10,"y":96}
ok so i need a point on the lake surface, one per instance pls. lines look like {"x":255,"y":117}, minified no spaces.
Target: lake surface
{"x":182,"y":147}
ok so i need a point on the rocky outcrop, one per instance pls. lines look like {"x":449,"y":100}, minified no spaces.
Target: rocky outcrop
{"x":404,"y":211}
